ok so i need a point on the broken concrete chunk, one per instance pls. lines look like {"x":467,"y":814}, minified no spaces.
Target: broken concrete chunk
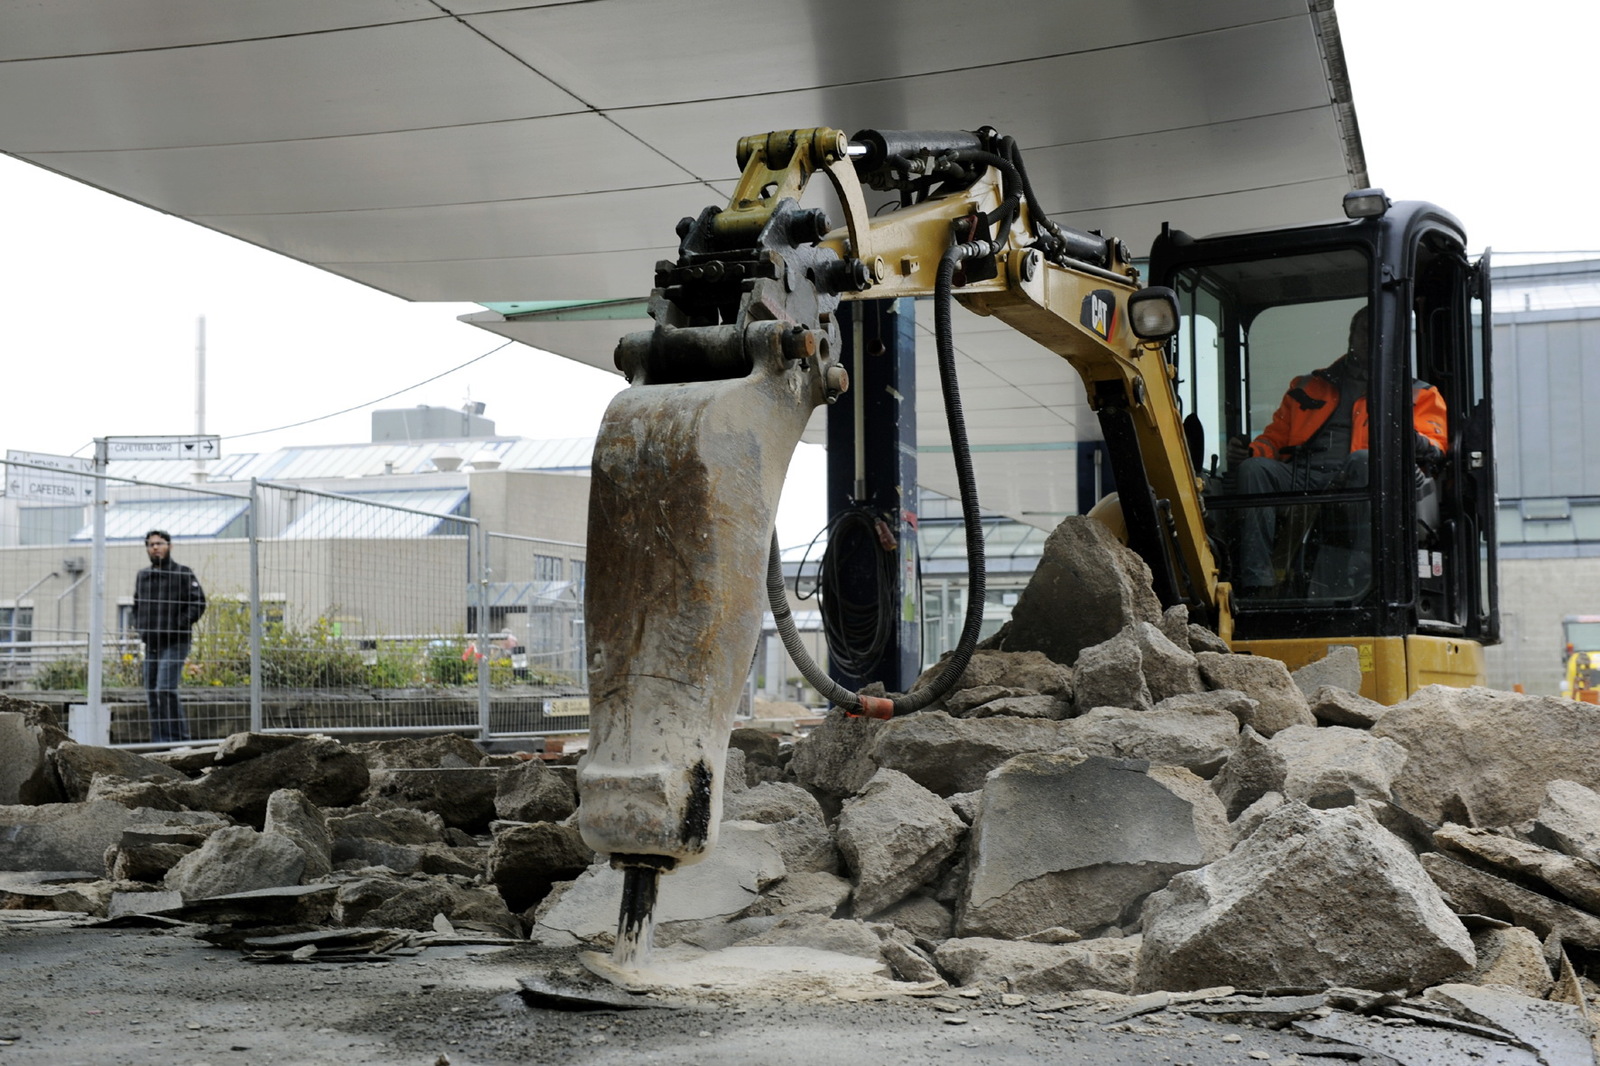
{"x":950,"y":755}
{"x":291,"y":815}
{"x":1510,"y":957}
{"x":1111,"y":674}
{"x":65,"y":836}
{"x":237,"y":859}
{"x":1569,"y":820}
{"x":965,"y":804}
{"x":1175,"y":624}
{"x":1065,"y":840}
{"x":463,"y":796}
{"x":819,"y":932}
{"x":1474,"y":891}
{"x":397,"y":825}
{"x":1202,"y":639}
{"x":1340,"y":668}
{"x":1087,"y":587}
{"x":241,"y":747}
{"x":329,"y":774}
{"x":1334,"y":766}
{"x":735,"y":775}
{"x":161,"y":795}
{"x":526,"y":860}
{"x":1267,"y":681}
{"x":835,"y":761}
{"x":1254,"y":769}
{"x":1196,"y":731}
{"x":445,"y":751}
{"x":78,"y":892}
{"x":1336,"y":706}
{"x":962,"y":700}
{"x":25,"y":774}
{"x":1311,"y":899}
{"x":1170,"y":669}
{"x":797,"y":820}
{"x":910,"y":963}
{"x":1025,"y":671}
{"x":1251,"y":817}
{"x":1576,"y":879}
{"x":922,"y":916}
{"x":804,"y":892}
{"x":1052,"y":707}
{"x":894,"y":836}
{"x":1559,"y":1033}
{"x":146,"y":853}
{"x":1483,"y":758}
{"x":1106,"y":963}
{"x":77,"y":764}
{"x":413,"y":903}
{"x":534,"y":792}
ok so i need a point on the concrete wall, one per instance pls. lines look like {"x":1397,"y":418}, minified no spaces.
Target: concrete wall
{"x":1535,"y":594}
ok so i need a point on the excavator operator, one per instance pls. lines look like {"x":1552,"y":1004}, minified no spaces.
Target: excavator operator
{"x":1318,"y":439}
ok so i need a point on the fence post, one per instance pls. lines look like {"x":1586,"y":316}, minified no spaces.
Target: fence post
{"x":253,"y":533}
{"x":97,"y":590}
{"x":482,"y":577}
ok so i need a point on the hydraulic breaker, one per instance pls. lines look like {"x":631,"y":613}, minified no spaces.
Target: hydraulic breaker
{"x":687,"y":472}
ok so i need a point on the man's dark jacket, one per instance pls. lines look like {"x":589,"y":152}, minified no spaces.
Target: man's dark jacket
{"x":167,"y":602}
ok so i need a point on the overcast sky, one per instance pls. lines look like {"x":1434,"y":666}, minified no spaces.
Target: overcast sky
{"x":1480,"y":108}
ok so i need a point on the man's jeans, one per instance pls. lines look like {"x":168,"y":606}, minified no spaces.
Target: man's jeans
{"x":163,"y":667}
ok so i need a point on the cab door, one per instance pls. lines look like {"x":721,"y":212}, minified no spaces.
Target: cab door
{"x":1454,"y":590}
{"x":1478,"y":464}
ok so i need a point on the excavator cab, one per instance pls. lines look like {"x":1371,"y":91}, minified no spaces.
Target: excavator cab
{"x":1348,"y":365}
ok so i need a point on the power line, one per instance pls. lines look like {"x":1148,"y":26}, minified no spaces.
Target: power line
{"x":369,"y":403}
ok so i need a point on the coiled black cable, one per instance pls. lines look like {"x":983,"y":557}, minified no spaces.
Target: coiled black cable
{"x":858,"y":631}
{"x":956,"y":664}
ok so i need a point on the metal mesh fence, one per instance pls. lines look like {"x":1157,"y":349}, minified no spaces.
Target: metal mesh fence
{"x":533,"y":593}
{"x":326,"y":612}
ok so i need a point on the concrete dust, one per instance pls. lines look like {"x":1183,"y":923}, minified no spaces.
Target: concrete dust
{"x":687,"y":976}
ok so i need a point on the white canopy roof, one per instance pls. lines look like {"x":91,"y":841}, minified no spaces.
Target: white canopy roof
{"x":497,"y":150}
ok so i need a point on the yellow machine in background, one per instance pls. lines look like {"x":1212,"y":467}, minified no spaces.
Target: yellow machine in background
{"x":1581,"y":641}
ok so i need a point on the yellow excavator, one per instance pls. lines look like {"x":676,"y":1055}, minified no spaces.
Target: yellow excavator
{"x":690,"y":458}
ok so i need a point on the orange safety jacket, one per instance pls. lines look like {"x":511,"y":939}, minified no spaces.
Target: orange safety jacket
{"x":1312,"y":399}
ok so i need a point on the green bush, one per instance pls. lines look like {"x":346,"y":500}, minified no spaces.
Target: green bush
{"x":446,"y":666}
{"x":65,"y":675}
{"x":291,"y":657}
{"x":62,"y":674}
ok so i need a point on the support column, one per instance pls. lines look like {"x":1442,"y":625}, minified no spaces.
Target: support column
{"x":872,"y":498}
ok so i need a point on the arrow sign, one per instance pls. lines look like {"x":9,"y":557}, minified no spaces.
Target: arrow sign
{"x":57,"y":483}
{"x":192,"y":447}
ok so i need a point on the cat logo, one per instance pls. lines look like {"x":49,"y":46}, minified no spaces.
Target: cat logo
{"x":1100,"y":313}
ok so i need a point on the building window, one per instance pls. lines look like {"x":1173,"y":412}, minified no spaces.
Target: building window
{"x":16,"y":623}
{"x":48,"y":525}
{"x":579,"y":575}
{"x":547,"y":567}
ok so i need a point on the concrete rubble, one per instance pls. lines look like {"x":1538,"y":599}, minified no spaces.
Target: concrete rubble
{"x":1109,"y":804}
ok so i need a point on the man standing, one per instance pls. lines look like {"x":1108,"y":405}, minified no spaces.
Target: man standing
{"x":167,"y":602}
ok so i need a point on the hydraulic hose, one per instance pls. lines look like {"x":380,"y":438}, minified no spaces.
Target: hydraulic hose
{"x":956,"y":664}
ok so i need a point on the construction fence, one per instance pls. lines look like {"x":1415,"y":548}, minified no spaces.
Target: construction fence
{"x":376,"y":612}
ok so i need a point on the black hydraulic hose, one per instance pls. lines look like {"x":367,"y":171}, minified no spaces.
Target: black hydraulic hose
{"x":977,"y":581}
{"x":1011,"y":185}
